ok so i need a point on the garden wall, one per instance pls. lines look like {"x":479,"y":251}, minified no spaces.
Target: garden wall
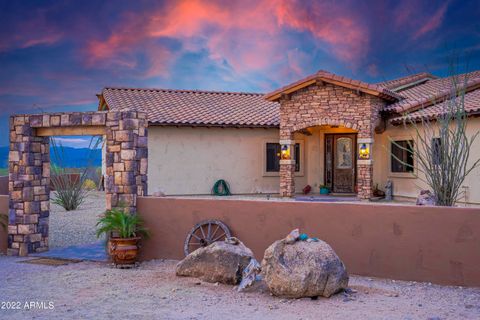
{"x":440,"y":245}
{"x":3,"y":233}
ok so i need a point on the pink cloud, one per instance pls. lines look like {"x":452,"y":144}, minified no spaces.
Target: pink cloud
{"x":340,"y":28}
{"x":433,"y":22}
{"x":32,"y":31}
{"x":248,"y":35}
{"x":418,"y":18}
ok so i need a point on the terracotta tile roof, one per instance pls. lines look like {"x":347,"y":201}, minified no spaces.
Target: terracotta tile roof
{"x":434,"y":90}
{"x":328,"y":77}
{"x":192,"y":107}
{"x":471,"y":104}
{"x":397,"y":84}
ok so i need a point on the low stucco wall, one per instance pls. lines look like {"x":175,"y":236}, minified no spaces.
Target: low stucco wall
{"x":3,"y":233}
{"x":439,"y":245}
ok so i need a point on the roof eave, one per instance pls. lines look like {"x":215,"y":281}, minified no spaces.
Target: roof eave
{"x":276,"y":95}
{"x":215,"y":125}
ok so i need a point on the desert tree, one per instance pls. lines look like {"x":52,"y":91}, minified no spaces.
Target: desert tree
{"x":441,"y":144}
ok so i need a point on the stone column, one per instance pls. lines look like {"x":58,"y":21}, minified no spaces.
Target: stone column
{"x":126,"y":159}
{"x":29,"y":187}
{"x":287,"y":172}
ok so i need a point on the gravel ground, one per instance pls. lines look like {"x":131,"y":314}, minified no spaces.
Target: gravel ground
{"x":90,"y":290}
{"x":68,"y":228}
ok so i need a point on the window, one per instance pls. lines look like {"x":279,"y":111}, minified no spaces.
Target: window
{"x":296,"y":156}
{"x":273,"y":157}
{"x":402,"y":156}
{"x":437,"y":154}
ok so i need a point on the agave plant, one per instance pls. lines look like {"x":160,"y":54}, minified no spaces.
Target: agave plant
{"x":122,"y":224}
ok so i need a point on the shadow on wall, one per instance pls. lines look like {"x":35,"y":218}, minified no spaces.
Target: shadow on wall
{"x":435,"y":244}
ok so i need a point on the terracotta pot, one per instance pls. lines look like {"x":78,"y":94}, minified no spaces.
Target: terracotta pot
{"x":123,"y":251}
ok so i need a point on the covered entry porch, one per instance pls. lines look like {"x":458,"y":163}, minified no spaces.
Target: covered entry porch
{"x":344,"y":113}
{"x":329,"y":158}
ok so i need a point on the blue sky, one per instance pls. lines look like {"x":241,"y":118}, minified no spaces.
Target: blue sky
{"x":56,"y":55}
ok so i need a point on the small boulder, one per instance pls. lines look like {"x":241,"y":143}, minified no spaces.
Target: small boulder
{"x":219,"y":262}
{"x":426,"y":198}
{"x":303,"y":269}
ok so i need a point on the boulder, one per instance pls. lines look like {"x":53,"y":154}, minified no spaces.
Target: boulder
{"x":426,"y":198}
{"x":303,"y":269}
{"x":219,"y":262}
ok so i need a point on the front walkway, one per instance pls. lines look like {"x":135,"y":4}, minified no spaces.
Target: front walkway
{"x":72,"y":233}
{"x":88,"y":252}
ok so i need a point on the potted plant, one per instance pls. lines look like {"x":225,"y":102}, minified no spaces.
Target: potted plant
{"x":324,"y":189}
{"x":124,"y":231}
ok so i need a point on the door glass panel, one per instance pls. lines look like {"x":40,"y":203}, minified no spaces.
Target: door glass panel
{"x":328,"y":160}
{"x":344,"y":153}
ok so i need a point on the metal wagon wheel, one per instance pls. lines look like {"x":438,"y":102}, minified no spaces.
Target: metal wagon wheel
{"x":205,"y":233}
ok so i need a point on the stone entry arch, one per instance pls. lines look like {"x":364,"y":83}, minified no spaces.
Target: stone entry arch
{"x":29,"y":167}
{"x":319,"y":103}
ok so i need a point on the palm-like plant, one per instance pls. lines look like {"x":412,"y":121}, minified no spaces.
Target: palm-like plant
{"x":123,"y":224}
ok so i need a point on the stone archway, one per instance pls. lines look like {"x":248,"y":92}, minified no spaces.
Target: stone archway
{"x":29,"y":167}
{"x":329,"y":104}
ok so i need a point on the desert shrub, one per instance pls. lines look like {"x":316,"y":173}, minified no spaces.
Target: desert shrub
{"x":443,"y":148}
{"x":89,"y":184}
{"x":70,"y":192}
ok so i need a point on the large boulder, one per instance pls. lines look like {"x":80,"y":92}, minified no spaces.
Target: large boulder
{"x":303,"y":269}
{"x":219,"y":262}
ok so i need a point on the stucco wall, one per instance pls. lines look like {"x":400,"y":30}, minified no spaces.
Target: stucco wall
{"x":185,"y":160}
{"x":435,"y":244}
{"x":409,"y":186}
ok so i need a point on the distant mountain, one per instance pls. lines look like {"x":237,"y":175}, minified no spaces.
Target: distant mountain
{"x":72,"y":157}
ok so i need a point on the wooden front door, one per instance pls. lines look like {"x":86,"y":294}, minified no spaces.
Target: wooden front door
{"x":340,"y":162}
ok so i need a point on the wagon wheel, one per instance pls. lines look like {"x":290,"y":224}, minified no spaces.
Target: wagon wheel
{"x":205,"y":233}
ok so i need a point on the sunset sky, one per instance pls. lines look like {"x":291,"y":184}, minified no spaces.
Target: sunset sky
{"x":56,"y":55}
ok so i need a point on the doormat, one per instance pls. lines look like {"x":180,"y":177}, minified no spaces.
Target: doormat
{"x":50,"y":261}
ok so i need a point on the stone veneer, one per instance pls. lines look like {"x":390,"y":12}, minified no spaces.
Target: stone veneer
{"x":328,"y":104}
{"x":29,"y":169}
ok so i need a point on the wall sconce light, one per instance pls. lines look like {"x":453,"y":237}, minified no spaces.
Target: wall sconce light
{"x":285,"y":152}
{"x":364,"y":149}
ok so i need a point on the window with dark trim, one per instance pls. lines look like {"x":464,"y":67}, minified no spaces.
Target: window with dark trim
{"x":437,"y":154}
{"x":402,"y":156}
{"x":273,"y":157}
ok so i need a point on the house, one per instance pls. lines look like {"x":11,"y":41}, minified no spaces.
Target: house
{"x":319,"y":125}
